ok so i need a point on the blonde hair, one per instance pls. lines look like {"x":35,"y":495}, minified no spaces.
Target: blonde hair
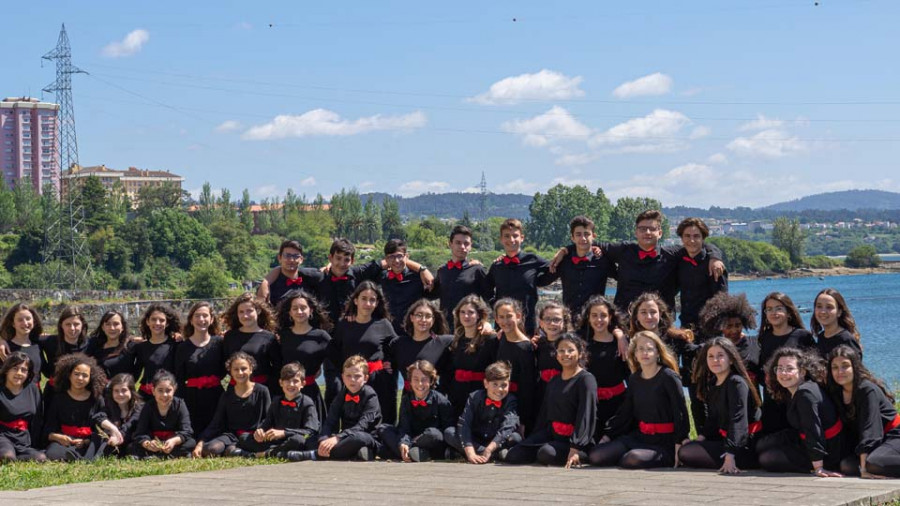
{"x":665,"y":356}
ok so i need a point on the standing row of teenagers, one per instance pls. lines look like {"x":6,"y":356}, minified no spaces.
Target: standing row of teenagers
{"x":585,"y":380}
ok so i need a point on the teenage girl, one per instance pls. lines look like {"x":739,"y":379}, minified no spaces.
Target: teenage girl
{"x":553,"y":320}
{"x":21,"y":331}
{"x":250,"y":325}
{"x":20,"y":409}
{"x":200,"y":365}
{"x":832,"y":323}
{"x":109,"y":345}
{"x":164,"y":428}
{"x":158,"y":326}
{"x":516,"y":348}
{"x":424,"y":337}
{"x":471,"y":350}
{"x":729,"y":316}
{"x":122,"y":406}
{"x":303,"y":330}
{"x":71,"y":337}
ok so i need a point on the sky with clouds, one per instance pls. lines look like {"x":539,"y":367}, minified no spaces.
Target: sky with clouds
{"x":740,"y":103}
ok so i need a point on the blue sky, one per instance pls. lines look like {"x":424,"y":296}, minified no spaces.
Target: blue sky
{"x":696,"y":103}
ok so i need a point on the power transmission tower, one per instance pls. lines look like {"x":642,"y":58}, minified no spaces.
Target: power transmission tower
{"x":64,"y":239}
{"x":484,"y":240}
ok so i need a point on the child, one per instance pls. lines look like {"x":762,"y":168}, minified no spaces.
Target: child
{"x":583,"y":273}
{"x":471,"y":350}
{"x":20,"y":410}
{"x":250,"y":324}
{"x":76,"y":409}
{"x":110,"y":344}
{"x":21,"y":331}
{"x":424,"y":416}
{"x":291,"y":426}
{"x":694,"y":281}
{"x":200,"y":365}
{"x":459,"y":277}
{"x":164,"y":428}
{"x":289,"y":275}
{"x":516,"y":349}
{"x":565,"y":426}
{"x":424,"y":337}
{"x":303,"y":330}
{"x":158,"y":326}
{"x":70,"y":337}
{"x":649,"y":427}
{"x":600,"y":328}
{"x":729,"y":315}
{"x":489,"y":421}
{"x":725,"y":441}
{"x":241,"y":410}
{"x":832,"y":323}
{"x":400,"y":285}
{"x":122,"y":406}
{"x":348,"y":431}
{"x":517,"y":274}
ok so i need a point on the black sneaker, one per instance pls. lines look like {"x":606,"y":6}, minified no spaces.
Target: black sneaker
{"x":417,"y":454}
{"x":298,"y":456}
{"x":365,"y":454}
{"x":501,"y":455}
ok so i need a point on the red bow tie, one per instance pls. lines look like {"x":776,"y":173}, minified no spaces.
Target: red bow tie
{"x":689,"y":259}
{"x":421,"y":404}
{"x":577,"y":260}
{"x":354,"y":398}
{"x":338,"y":278}
{"x":289,"y":403}
{"x":394,"y":275}
{"x":491,"y":402}
{"x":454,"y":265}
{"x":645,"y":254}
{"x":296,"y":281}
{"x":510,"y":260}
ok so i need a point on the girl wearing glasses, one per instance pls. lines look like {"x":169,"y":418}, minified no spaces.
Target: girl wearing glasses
{"x":424,"y":337}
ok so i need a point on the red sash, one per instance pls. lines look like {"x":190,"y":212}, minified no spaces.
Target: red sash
{"x":549,"y":374}
{"x":513,"y":386}
{"x":893,"y":424}
{"x":260,"y":378}
{"x":406,"y":386}
{"x":607,"y":393}
{"x":163,"y":434}
{"x":375,"y":366}
{"x":74,"y":431}
{"x":19,"y":424}
{"x":830,"y":432}
{"x":147,"y":388}
{"x":656,"y":428}
{"x":310,"y":380}
{"x":211,"y":381}
{"x":563,"y":429}
{"x":753,"y":428}
{"x":465,"y":376}
{"x":242,"y":432}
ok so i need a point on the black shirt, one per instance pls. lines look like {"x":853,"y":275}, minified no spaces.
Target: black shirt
{"x":659,"y":399}
{"x":237,"y":415}
{"x":696,"y":286}
{"x":25,"y":406}
{"x":487,"y":422}
{"x":307,"y":279}
{"x":731,"y":408}
{"x":582,"y":278}
{"x":573,"y":402}
{"x":296,"y":417}
{"x":452,"y":284}
{"x":519,"y":281}
{"x":415,"y":418}
{"x":334,"y":291}
{"x":153,"y":425}
{"x":346,"y":417}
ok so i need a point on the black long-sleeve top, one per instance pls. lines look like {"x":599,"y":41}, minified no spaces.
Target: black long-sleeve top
{"x":192,"y":361}
{"x":150,"y":358}
{"x":524,"y":376}
{"x":547,"y":365}
{"x":34,"y":353}
{"x":605,"y":364}
{"x":126,"y":424}
{"x":370,"y":340}
{"x":464,"y":363}
{"x":401,"y":293}
{"x":748,"y":348}
{"x":519,"y":281}
{"x":22,"y":408}
{"x":696,"y":286}
{"x":307,"y":279}
{"x":405,"y":351}
{"x":309,"y":349}
{"x":824,"y":345}
{"x":872,"y":413}
{"x":333,"y":291}
{"x":237,"y":415}
{"x":769,"y":343}
{"x":352,"y":413}
{"x":113,"y":360}
{"x":66,"y":411}
{"x":153,"y":425}
{"x":811,"y":413}
{"x":584,"y":279}
{"x":260,"y":345}
{"x":572,"y":402}
{"x":487,"y":422}
{"x":659,"y":399}
{"x":730,"y":407}
{"x":452,"y":284}
{"x":296,"y":417}
{"x":50,"y":347}
{"x":415,"y":418}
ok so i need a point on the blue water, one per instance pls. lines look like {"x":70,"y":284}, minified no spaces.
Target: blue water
{"x":874,"y":300}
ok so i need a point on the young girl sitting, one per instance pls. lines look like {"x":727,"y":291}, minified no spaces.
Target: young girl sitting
{"x":164,"y":429}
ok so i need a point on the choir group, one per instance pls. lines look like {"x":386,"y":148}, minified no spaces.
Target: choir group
{"x":586,"y":380}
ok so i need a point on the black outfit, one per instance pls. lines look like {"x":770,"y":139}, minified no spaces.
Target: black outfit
{"x":153,"y":425}
{"x":236,"y":418}
{"x":610,"y":372}
{"x":582,"y":278}
{"x":307,"y":279}
{"x":483,"y":423}
{"x":76,"y":419}
{"x":468,"y":369}
{"x":566,"y":421}
{"x":814,"y":434}
{"x":263,"y":347}
{"x":454,"y":281}
{"x":353,"y":419}
{"x":34,"y":354}
{"x":113,"y":360}
{"x":518,"y":278}
{"x":523,"y":379}
{"x":873,"y":428}
{"x":547,"y":367}
{"x":150,"y":358}
{"x":732,"y":422}
{"x":126,"y":425}
{"x":696,"y":286}
{"x":824,"y":345}
{"x":296,"y":417}
{"x":311,"y":351}
{"x":20,"y":422}
{"x":400,"y":291}
{"x":774,"y":414}
{"x":651,"y":421}
{"x":422,"y":425}
{"x":199,"y":371}
{"x":372,"y":341}
{"x":54,"y":347}
{"x":435,"y":349}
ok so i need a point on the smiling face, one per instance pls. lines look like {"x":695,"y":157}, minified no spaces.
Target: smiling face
{"x":121,"y":393}
{"x":23,"y":323}
{"x":788,"y":373}
{"x":420,"y":383}
{"x":300,"y":311}
{"x":396,"y":261}
{"x":507,"y":319}
{"x":291,"y":386}
{"x":16,"y":376}
{"x":776,"y":313}
{"x":72,"y":328}
{"x":826,"y":310}
{"x":112,"y":327}
{"x":157,"y":323}
{"x":582,"y":237}
{"x":290,"y":259}
{"x":599,"y":319}
{"x":422,"y":319}
{"x":366,"y":302}
{"x":247,"y":314}
{"x":567,"y":355}
{"x":240,"y":371}
{"x":733,"y":329}
{"x":201,"y":319}
{"x":717,"y":360}
{"x":648,"y":234}
{"x":497,"y":390}
{"x":163,"y":392}
{"x":80,"y":377}
{"x":354,"y":378}
{"x":468,"y":316}
{"x":553,"y":322}
{"x":648,"y":315}
{"x":842,"y":371}
{"x":460,"y":246}
{"x":692,"y":239}
{"x":511,"y":239}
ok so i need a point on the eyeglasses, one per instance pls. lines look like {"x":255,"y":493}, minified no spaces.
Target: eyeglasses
{"x":396,"y":256}
{"x":293,"y":256}
{"x":423,"y":316}
{"x":647,"y":229}
{"x":785,"y":370}
{"x":775,"y":309}
{"x":554,"y":321}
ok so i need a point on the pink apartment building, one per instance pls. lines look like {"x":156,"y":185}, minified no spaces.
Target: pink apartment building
{"x":28,"y":132}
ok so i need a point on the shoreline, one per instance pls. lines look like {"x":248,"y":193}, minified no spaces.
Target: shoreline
{"x":806,"y":272}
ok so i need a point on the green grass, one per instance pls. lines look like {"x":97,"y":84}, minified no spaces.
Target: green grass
{"x":28,"y":475}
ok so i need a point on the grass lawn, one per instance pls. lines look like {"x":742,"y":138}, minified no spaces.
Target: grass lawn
{"x":27,"y":475}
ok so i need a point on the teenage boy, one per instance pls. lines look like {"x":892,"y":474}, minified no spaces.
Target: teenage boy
{"x":401,"y":286}
{"x":458,"y":277}
{"x":583,"y":273}
{"x":288,"y":275}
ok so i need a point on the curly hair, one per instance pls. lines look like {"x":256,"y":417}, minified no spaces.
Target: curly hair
{"x":438,"y":323}
{"x":318,"y":315}
{"x":569,"y":337}
{"x":584,"y":329}
{"x":240,"y":355}
{"x":14,"y":360}
{"x":173,"y":322}
{"x":7,"y":328}
{"x":845,"y":318}
{"x":214,"y":329}
{"x":67,"y":363}
{"x":793,"y":314}
{"x":459,"y":332}
{"x":99,"y":335}
{"x":264,"y":317}
{"x":381,"y":309}
{"x":860,"y":373}
{"x":704,"y":379}
{"x":722,"y":307}
{"x":665,"y":328}
{"x":810,"y":363}
{"x":552,"y":304}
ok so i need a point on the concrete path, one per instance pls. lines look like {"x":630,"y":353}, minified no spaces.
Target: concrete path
{"x":433,"y":484}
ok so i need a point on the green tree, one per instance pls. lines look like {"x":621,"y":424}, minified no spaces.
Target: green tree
{"x":27,"y":249}
{"x":751,"y":256}
{"x":226,"y":206}
{"x":419,"y":237}
{"x":137,"y":234}
{"x":7,"y":208}
{"x":787,"y":236}
{"x":371,"y":221}
{"x":206,"y":205}
{"x":391,"y":224}
{"x":95,"y":203}
{"x":246,"y":213}
{"x":207,"y":280}
{"x":548,"y":223}
{"x":862,"y":256}
{"x":164,"y":196}
{"x":178,"y":237}
{"x":624,"y":214}
{"x":234,"y":243}
{"x":28,"y":206}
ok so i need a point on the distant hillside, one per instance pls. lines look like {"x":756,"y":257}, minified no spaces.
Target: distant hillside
{"x":851,"y":200}
{"x":453,"y":205}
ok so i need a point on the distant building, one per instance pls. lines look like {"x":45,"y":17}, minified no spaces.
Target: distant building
{"x":130,"y":181}
{"x":30,"y":128}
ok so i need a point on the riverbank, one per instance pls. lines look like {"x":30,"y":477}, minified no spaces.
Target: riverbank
{"x":886,"y":268}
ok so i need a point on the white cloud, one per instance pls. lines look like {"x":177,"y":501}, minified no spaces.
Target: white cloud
{"x":543,"y":85}
{"x":329,"y":123}
{"x":310,"y":181}
{"x":267,"y":191}
{"x":717,"y":159}
{"x":700,"y":132}
{"x":555,"y":125}
{"x":131,"y":44}
{"x":229,"y":126}
{"x":419,"y":187}
{"x":773,"y":143}
{"x":471,"y":189}
{"x":244,"y":25}
{"x":655,"y":133}
{"x":761,"y":123}
{"x":517,"y":186}
{"x":650,"y":85}
{"x":195,"y":192}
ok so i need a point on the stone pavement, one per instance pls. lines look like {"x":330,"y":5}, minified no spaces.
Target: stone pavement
{"x":369,"y":483}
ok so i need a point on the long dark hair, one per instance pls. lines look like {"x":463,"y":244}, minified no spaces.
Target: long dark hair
{"x":173,"y":322}
{"x":15,"y":359}
{"x":807,"y":361}
{"x":705,"y":380}
{"x":459,"y":332}
{"x":318,"y":316}
{"x":860,"y":373}
{"x":583,"y":355}
{"x":666,"y":329}
{"x":584,"y":320}
{"x":381,"y":310}
{"x":100,"y":337}
{"x":438,"y":324}
{"x":213,"y":320}
{"x":7,"y":328}
{"x":845,"y":318}
{"x":123,"y":378}
{"x":264,"y":316}
{"x":67,"y":363}
{"x":793,"y":314}
{"x":70,"y":312}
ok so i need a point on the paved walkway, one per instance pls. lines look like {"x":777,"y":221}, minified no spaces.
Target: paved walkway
{"x":361,"y":483}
